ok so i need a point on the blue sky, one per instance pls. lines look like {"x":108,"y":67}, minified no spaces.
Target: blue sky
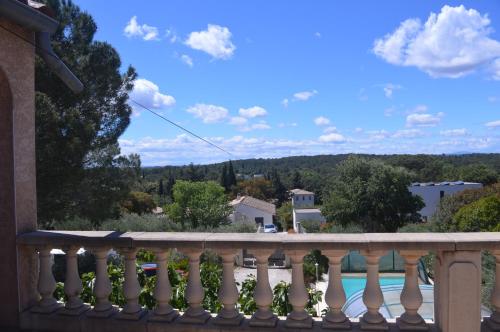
{"x":268,"y":79}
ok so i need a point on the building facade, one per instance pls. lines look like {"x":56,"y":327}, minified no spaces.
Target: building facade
{"x":252,"y":209}
{"x":432,"y":193}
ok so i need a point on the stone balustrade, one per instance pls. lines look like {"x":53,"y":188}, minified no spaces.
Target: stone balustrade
{"x":457,"y":283}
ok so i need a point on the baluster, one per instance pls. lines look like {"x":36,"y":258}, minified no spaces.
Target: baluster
{"x":102,"y":286}
{"x":298,"y":297}
{"x":195,"y":314}
{"x":46,"y":284}
{"x":493,"y":321}
{"x":73,"y":285}
{"x":372,"y":295}
{"x":163,"y":291}
{"x":228,"y":293}
{"x":263,"y":294}
{"x":335,"y":294}
{"x":132,"y":310}
{"x":411,"y":297}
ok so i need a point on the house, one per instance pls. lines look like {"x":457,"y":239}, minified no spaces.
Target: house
{"x":302,"y":198}
{"x":432,"y":193}
{"x":303,"y":208}
{"x":250,"y":208}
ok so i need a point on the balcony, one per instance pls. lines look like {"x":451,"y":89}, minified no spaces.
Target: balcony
{"x":457,"y":284}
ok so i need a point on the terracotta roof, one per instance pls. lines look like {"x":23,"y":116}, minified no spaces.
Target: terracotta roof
{"x":255,"y":203}
{"x":301,"y":192}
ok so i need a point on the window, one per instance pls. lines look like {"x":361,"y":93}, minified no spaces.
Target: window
{"x":441,"y":194}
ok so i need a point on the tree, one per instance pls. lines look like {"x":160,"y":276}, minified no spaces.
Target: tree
{"x":76,"y":134}
{"x":285,"y":215}
{"x":231,"y":177}
{"x":259,"y":188}
{"x":482,"y":215}
{"x":161,"y":190}
{"x":139,"y":202}
{"x":373,"y":194}
{"x":192,"y":173}
{"x":444,"y":217}
{"x":297,"y":181}
{"x":278,"y":187}
{"x":223,"y":177}
{"x":199,"y":204}
{"x":478,"y":173}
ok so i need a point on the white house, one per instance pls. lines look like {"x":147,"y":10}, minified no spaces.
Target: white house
{"x":303,"y":208}
{"x":432,"y":193}
{"x":302,"y":198}
{"x":249,"y":208}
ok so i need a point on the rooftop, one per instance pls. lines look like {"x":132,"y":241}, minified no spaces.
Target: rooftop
{"x":255,"y":203}
{"x":301,"y":192}
{"x":446,"y":183}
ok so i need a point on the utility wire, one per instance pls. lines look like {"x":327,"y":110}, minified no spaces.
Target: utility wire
{"x":132,"y":100}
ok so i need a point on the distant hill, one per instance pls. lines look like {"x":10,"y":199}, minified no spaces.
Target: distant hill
{"x":315,"y":170}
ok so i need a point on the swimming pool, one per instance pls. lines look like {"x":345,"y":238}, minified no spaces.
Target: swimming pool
{"x":353,"y":284}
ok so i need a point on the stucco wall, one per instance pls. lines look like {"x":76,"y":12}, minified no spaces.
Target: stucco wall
{"x":300,"y":201}
{"x":431,"y":195}
{"x":17,"y":170}
{"x":251,"y":213}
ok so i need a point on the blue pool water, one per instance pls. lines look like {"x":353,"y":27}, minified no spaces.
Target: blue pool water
{"x":354,"y":284}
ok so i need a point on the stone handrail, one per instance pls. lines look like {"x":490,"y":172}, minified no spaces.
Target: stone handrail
{"x":457,"y":281}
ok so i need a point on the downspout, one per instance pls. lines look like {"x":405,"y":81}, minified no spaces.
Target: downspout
{"x":44,"y":50}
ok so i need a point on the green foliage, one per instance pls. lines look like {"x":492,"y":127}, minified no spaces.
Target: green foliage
{"x":246,"y":299}
{"x":259,"y":188}
{"x":373,"y":194}
{"x":138,"y":202}
{"x":478,"y":173}
{"x":444,"y":218}
{"x":281,"y":305}
{"x":338,"y":228}
{"x":199,"y":204}
{"x":285,"y":215}
{"x":310,"y":260}
{"x":480,"y":216}
{"x":79,"y":171}
{"x":211,"y":280}
{"x":311,"y":226}
{"x":143,"y":223}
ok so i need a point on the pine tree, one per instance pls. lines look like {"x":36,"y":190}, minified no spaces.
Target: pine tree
{"x":279,"y":188}
{"x":223,"y":177}
{"x":297,"y":181}
{"x":231,"y":177}
{"x":161,"y":190}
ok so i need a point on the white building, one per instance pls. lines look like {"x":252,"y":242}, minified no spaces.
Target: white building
{"x":303,"y":208}
{"x":432,"y":193}
{"x":302,"y":198}
{"x":249,"y":208}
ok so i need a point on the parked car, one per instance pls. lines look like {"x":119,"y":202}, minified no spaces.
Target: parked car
{"x":270,"y":228}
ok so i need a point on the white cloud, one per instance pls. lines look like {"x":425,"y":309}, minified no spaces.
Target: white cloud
{"x":317,"y":34}
{"x":252,"y":112}
{"x":495,"y":68}
{"x":321,"y":121}
{"x":330,"y":129}
{"x":389,"y":111}
{"x":408,"y":133}
{"x":492,"y":99}
{"x":262,"y":125}
{"x":285,"y":102}
{"x":493,"y":124}
{"x":134,"y":29}
{"x":423,"y":119}
{"x":148,"y":94}
{"x":238,"y":121}
{"x":389,"y":89}
{"x":418,"y":109}
{"x":304,"y":95}
{"x":171,"y":35}
{"x":291,"y":124}
{"x":187,"y":60}
{"x":378,"y":135}
{"x":454,"y":132}
{"x":332,"y":138}
{"x":358,"y":130}
{"x":216,"y":41}
{"x":452,"y":43}
{"x":208,"y":113}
